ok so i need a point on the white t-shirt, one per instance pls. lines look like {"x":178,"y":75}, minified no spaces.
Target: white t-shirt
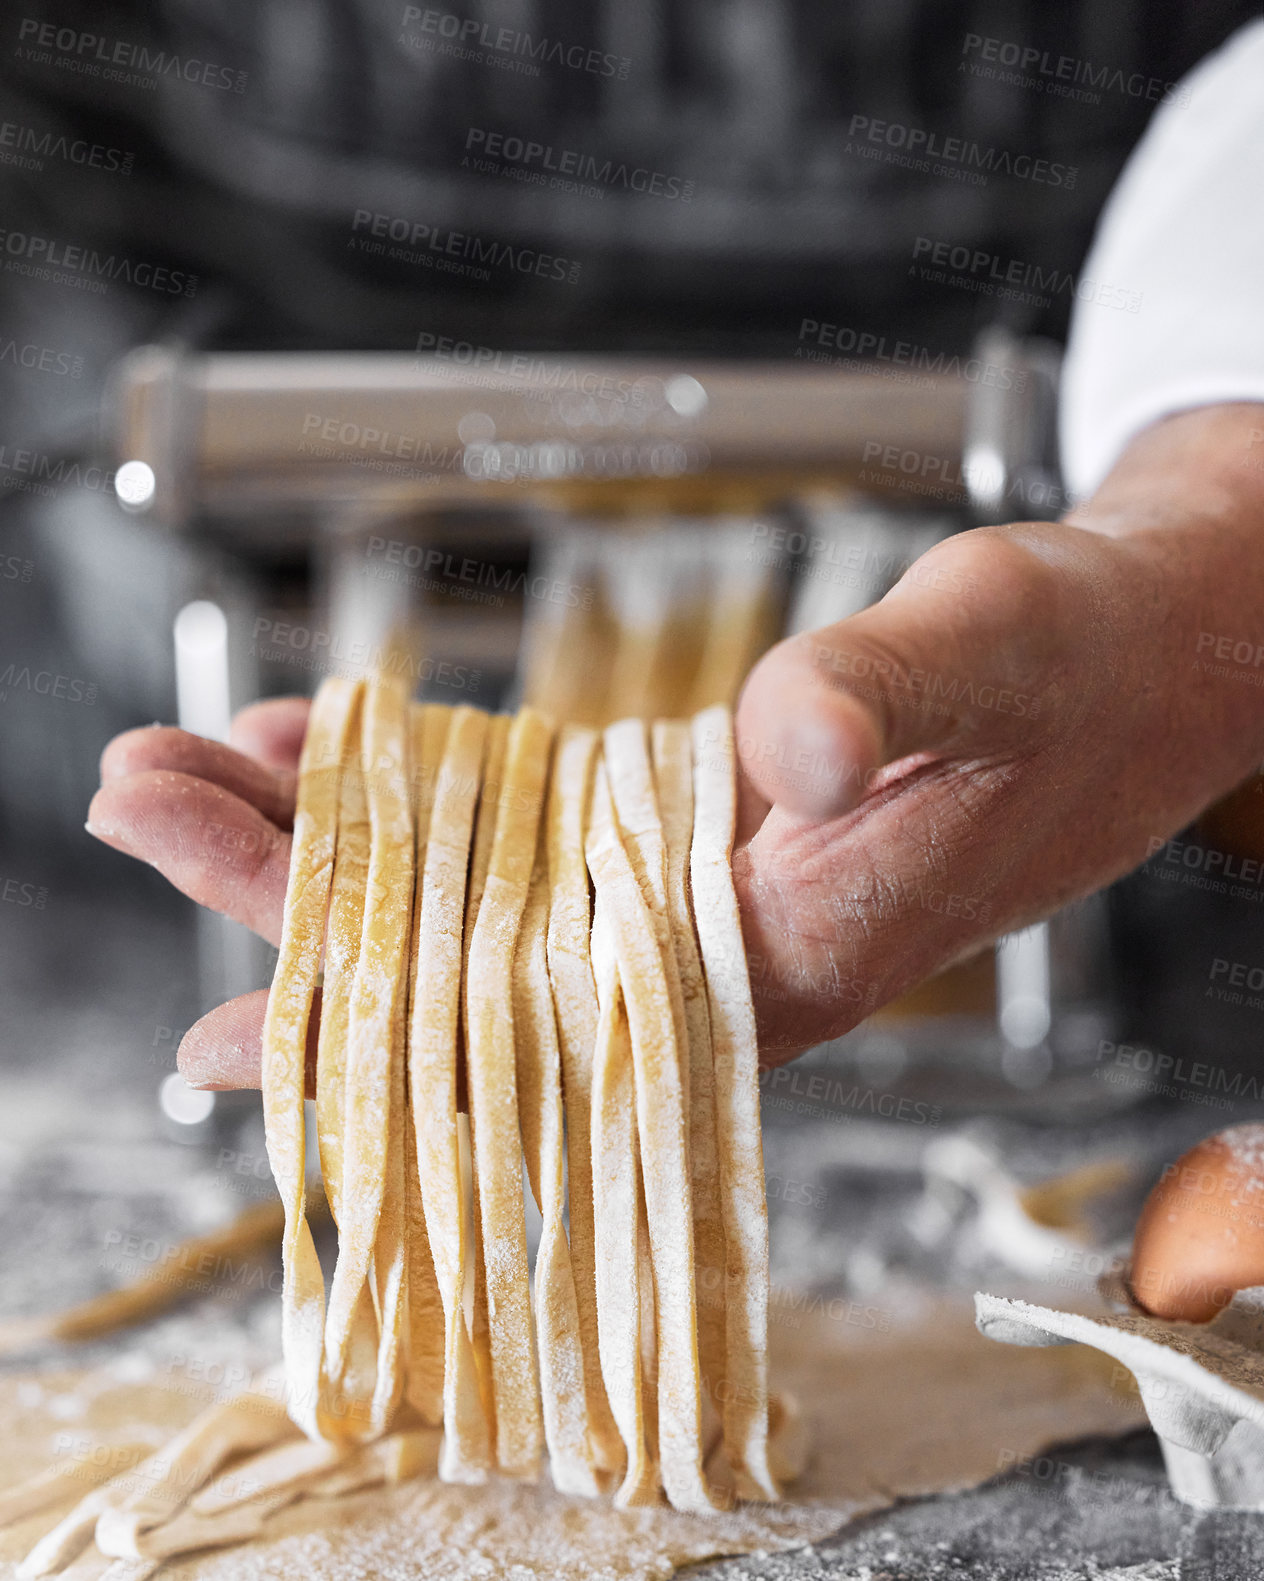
{"x":1170,"y":304}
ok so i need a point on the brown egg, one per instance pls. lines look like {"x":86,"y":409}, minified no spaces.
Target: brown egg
{"x":1200,"y":1237}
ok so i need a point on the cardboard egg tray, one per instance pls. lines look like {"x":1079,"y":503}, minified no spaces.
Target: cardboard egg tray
{"x":1202,"y":1384}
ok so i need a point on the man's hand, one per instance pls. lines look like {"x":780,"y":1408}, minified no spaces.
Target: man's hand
{"x":1016,"y":724}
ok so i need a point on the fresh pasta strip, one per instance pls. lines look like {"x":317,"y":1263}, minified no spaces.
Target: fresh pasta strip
{"x":342,"y":954}
{"x":490,"y":1069}
{"x":187,"y":1532}
{"x":575,"y":1005}
{"x":474,"y":1290}
{"x":430,"y":725}
{"x":425,"y":1325}
{"x":389,"y":1268}
{"x":395,"y":1458}
{"x":789,"y":1437}
{"x":736,"y":1065}
{"x":275,"y":1479}
{"x":285,"y":1037}
{"x":485,"y":824}
{"x":94,"y":1565}
{"x":67,"y":1476}
{"x":741,"y":624}
{"x":381,"y":978}
{"x":235,"y":1508}
{"x":567,"y":649}
{"x":664,"y":1155}
{"x":673,"y":775}
{"x":153,"y":1491}
{"x":789,"y":1443}
{"x":648,"y":1318}
{"x":432,"y":1077}
{"x":480,"y":859}
{"x":634,"y":793}
{"x":273,"y":1470}
{"x":61,"y":1543}
{"x":539,"y":1078}
{"x":615,"y":1193}
{"x":425,"y":1321}
{"x":640,"y":827}
{"x":632,"y":789}
{"x":642,"y":625}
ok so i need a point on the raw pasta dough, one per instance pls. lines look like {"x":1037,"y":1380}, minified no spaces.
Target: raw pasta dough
{"x":925,"y":1407}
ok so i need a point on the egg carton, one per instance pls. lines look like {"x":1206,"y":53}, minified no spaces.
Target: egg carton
{"x":1202,"y":1384}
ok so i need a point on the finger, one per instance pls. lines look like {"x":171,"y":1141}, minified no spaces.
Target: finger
{"x":211,"y":845}
{"x":272,"y":732}
{"x":269,"y":790}
{"x":225,"y":1048}
{"x":752,"y":809}
{"x":951,"y":659}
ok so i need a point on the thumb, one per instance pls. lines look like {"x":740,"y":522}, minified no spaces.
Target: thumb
{"x":953,"y":659}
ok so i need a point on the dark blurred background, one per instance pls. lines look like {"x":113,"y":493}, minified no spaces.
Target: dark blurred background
{"x":315,"y":111}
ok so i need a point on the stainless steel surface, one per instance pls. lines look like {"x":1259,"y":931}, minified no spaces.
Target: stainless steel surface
{"x":1010,"y":458}
{"x":235,"y":432}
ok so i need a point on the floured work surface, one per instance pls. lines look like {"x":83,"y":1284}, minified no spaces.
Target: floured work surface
{"x":927,"y":1408}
